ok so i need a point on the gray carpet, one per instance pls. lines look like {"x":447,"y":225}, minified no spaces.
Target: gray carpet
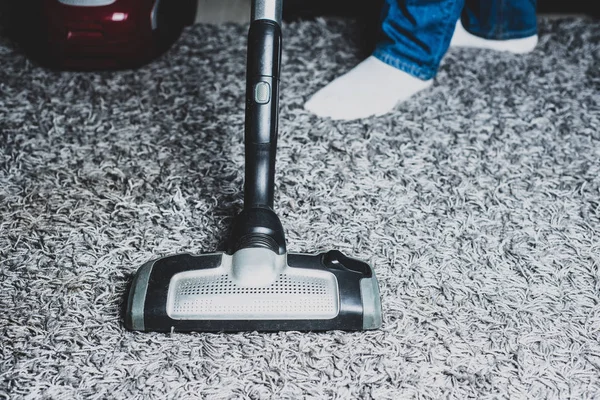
{"x":477,"y":202}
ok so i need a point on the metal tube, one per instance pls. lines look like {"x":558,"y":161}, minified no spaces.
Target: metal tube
{"x":267,"y":9}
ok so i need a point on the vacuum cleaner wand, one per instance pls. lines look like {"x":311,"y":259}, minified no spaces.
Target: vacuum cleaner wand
{"x":256,"y":285}
{"x":258,"y":225}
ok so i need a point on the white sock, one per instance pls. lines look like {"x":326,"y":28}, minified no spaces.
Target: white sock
{"x":371,"y":88}
{"x":375,"y":88}
{"x":462,"y":38}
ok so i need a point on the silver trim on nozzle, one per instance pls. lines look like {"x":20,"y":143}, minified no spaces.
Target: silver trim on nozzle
{"x":137,"y":296}
{"x":230,"y":293}
{"x":369,"y":293}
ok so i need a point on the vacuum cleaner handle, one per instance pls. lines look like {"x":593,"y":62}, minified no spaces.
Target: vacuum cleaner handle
{"x":262,"y":102}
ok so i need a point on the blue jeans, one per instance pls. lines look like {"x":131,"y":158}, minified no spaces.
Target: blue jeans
{"x":415,"y":34}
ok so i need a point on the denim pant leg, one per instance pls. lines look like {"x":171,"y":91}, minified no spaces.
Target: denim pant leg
{"x":415,"y":34}
{"x":500,"y":19}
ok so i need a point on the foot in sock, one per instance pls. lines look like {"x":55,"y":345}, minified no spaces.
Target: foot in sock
{"x":375,"y":88}
{"x":462,"y":38}
{"x":371,"y":88}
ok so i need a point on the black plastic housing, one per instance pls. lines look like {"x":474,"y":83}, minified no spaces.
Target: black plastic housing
{"x":263,"y":67}
{"x":258,"y":225}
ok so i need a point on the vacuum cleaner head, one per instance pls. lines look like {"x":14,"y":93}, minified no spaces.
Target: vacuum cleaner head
{"x":255,"y":289}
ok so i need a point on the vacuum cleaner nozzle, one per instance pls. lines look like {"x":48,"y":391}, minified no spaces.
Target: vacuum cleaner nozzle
{"x":256,"y":290}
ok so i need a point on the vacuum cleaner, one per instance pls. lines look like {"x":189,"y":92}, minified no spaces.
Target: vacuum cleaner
{"x":99,"y":34}
{"x":255,"y":284}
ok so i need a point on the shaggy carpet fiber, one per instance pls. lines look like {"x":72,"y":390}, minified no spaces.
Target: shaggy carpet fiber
{"x":477,"y":203}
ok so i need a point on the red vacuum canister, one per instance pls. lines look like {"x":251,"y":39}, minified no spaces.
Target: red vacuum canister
{"x":99,"y":34}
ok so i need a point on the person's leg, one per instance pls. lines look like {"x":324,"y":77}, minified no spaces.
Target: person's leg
{"x":504,"y":25}
{"x":415,"y":36}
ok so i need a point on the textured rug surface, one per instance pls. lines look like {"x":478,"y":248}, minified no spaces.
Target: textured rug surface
{"x":477,"y":202}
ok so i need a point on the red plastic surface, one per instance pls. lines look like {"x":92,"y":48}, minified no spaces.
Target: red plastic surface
{"x":119,"y":34}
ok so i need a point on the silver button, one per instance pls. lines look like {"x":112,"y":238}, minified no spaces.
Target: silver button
{"x":262,"y":93}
